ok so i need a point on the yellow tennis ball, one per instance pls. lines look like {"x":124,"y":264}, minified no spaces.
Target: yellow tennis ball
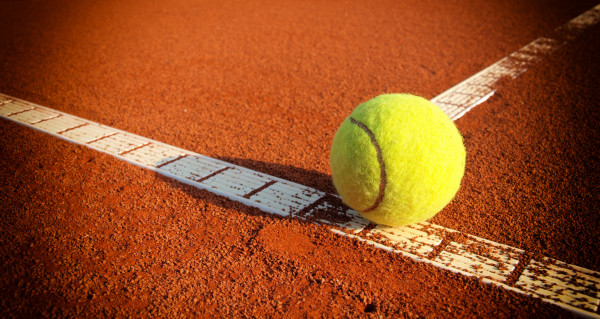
{"x":397,"y":159}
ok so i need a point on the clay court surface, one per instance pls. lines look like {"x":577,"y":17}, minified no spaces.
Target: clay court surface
{"x":264,"y":85}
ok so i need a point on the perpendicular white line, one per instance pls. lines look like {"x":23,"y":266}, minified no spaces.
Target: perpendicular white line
{"x":516,"y":63}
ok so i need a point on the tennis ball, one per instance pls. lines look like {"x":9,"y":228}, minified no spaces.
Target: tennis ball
{"x":397,"y":159}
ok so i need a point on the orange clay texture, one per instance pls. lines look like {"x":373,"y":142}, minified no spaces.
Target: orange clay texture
{"x":265,"y":84}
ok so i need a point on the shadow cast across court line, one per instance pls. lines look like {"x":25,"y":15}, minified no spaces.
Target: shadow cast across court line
{"x":310,"y":178}
{"x":315,"y":201}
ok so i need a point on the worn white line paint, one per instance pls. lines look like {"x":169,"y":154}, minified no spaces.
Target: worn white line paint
{"x":466,"y":95}
{"x":414,"y":239}
{"x":571,"y":287}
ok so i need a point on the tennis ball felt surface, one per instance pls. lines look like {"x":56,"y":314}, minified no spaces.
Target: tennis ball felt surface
{"x":397,"y":159}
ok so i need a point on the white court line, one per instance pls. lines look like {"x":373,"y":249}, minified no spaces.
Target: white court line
{"x":475,"y":90}
{"x":569,"y":286}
